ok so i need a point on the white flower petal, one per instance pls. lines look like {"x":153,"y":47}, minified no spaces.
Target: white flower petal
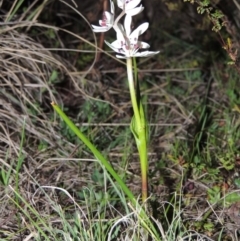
{"x":127,"y":24}
{"x":116,"y":44}
{"x":109,"y":45}
{"x":114,"y":48}
{"x":143,"y":45}
{"x":127,"y":4}
{"x":120,"y":32}
{"x":98,"y":29}
{"x":107,"y":21}
{"x":140,"y":29}
{"x":112,"y":7}
{"x":109,"y":16}
{"x":145,"y":53}
{"x":130,"y":4}
{"x":135,"y":11}
{"x":104,"y":24}
{"x":120,"y":3}
{"x":138,"y":54}
{"x":121,"y":56}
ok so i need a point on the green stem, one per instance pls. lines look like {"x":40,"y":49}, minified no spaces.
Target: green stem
{"x":142,"y":149}
{"x":132,"y":92}
{"x":140,"y":132}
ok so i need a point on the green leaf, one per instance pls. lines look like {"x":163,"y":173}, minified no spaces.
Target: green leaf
{"x":144,"y":121}
{"x":134,"y":129}
{"x":237,"y":182}
{"x":208,"y":226}
{"x":142,"y":214}
{"x":232,"y":198}
{"x":214,"y":194}
{"x":227,"y":161}
{"x":96,"y":153}
{"x":53,"y":77}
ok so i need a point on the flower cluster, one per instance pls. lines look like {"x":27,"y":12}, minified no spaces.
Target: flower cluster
{"x":127,"y":43}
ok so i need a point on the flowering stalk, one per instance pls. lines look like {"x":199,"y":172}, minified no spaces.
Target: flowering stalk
{"x":139,"y":129}
{"x":128,"y":46}
{"x":142,"y":214}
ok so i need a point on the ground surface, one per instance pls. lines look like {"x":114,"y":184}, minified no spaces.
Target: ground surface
{"x":191,"y":95}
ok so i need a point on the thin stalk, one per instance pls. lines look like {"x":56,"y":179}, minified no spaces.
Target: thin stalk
{"x":144,"y":219}
{"x":139,"y":129}
{"x":133,"y":92}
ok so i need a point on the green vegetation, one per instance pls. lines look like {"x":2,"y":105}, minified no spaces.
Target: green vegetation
{"x":53,"y":188}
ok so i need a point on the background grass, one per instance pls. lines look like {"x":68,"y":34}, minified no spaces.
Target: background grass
{"x":51,"y":188}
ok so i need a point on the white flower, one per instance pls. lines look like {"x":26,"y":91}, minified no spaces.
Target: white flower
{"x":107,"y":21}
{"x":127,"y":43}
{"x":129,"y":6}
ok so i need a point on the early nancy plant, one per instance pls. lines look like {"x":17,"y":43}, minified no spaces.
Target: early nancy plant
{"x":127,"y":46}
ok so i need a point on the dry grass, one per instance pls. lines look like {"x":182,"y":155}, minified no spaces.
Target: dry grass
{"x":34,"y":72}
{"x":26,"y":91}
